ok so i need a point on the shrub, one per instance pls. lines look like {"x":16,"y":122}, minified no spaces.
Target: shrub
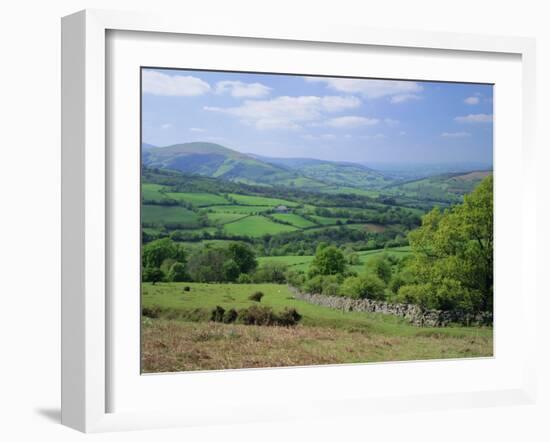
{"x":295,"y":278}
{"x":263,"y":315}
{"x":271,"y":272}
{"x":217,"y":314}
{"x":230,"y":316}
{"x":365,"y":286}
{"x":244,"y":278}
{"x":314,"y":284}
{"x":256,"y":296}
{"x":152,"y":312}
{"x":187,"y":288}
{"x":289,"y":317}
{"x":257,"y":315}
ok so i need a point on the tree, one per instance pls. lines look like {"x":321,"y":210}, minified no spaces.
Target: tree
{"x":155,"y":252}
{"x":152,"y":274}
{"x":328,"y":261}
{"x":243,"y":256}
{"x":380,"y":267}
{"x":206,"y":264}
{"x":452,"y":259}
{"x":177,"y":272}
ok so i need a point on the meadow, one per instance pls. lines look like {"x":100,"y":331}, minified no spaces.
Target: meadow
{"x":182,"y":337}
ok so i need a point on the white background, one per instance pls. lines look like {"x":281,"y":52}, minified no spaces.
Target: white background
{"x":30,"y":219}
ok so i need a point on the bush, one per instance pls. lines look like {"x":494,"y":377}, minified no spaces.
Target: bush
{"x":230,"y":316}
{"x":187,"y":288}
{"x":273,"y":272}
{"x":314,"y":285}
{"x":295,"y":278}
{"x":289,"y":317}
{"x":365,"y":286}
{"x":256,"y":296}
{"x":263,"y":315}
{"x":244,"y":278}
{"x":257,"y":315}
{"x":152,"y":312}
{"x":217,"y":314}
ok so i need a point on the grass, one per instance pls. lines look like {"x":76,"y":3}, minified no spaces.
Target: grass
{"x":295,"y":220}
{"x":224,"y":218}
{"x":198,"y":199}
{"x":250,"y":200}
{"x":326,"y":221}
{"x":152,"y":192}
{"x":324,"y":336}
{"x":240,"y":209}
{"x":302,"y":262}
{"x":168,"y":215}
{"x":256,"y":226}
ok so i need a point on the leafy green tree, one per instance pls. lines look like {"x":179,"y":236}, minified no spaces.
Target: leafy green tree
{"x":453,"y":255}
{"x":152,"y":274}
{"x":178,"y":272}
{"x":206,"y":264}
{"x":328,"y":261}
{"x":243,"y":256}
{"x":231,"y":270}
{"x":381,"y":267}
{"x":155,"y":252}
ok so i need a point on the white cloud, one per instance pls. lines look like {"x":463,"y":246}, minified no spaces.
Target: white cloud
{"x":287,"y":112}
{"x":402,"y":98}
{"x":455,"y":134}
{"x":372,"y":88}
{"x":310,"y":137}
{"x":472,"y":100}
{"x":351,"y":121}
{"x":157,"y":83}
{"x":239,"y":89}
{"x":475,"y":118}
{"x":391,"y":122}
{"x":196,"y":129}
{"x":166,"y":126}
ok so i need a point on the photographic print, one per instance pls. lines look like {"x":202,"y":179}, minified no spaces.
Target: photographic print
{"x":297,"y":220}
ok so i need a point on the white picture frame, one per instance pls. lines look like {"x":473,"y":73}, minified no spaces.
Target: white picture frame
{"x":86,"y":208}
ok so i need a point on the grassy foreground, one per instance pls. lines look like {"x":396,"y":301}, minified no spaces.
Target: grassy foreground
{"x":182,"y":338}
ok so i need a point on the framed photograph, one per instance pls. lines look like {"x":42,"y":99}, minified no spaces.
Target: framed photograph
{"x":250,"y":213}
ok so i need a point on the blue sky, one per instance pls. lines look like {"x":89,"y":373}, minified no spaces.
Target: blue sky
{"x":359,"y":120}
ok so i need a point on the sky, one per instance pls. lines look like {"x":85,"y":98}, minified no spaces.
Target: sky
{"x":338,"y":119}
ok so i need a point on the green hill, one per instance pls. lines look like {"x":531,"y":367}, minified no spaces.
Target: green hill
{"x":213,"y":160}
{"x":333,"y":172}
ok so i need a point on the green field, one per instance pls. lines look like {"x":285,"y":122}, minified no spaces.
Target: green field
{"x":251,"y":200}
{"x":240,"y":209}
{"x":168,"y":214}
{"x":324,"y":335}
{"x":301,"y":263}
{"x":256,"y":226}
{"x":225,"y":217}
{"x":152,"y":192}
{"x":198,"y":199}
{"x":295,"y":220}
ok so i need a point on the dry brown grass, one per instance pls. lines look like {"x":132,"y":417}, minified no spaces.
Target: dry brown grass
{"x":170,"y":346}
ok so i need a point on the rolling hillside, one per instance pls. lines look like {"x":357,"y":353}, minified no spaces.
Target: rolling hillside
{"x":217,"y":161}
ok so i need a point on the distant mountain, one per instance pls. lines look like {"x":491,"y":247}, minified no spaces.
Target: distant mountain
{"x":214,"y":160}
{"x":449,"y":187}
{"x":146,"y":146}
{"x":337,"y":173}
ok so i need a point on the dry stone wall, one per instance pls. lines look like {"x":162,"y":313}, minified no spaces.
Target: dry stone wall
{"x":415,"y":314}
